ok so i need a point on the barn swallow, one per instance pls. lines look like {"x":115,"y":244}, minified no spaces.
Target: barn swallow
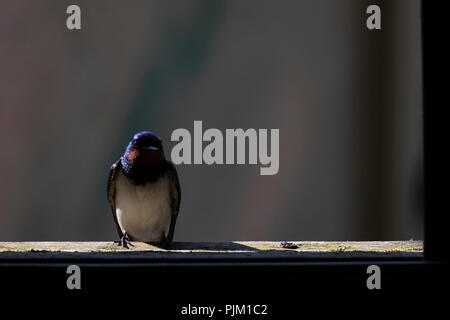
{"x":144,"y":192}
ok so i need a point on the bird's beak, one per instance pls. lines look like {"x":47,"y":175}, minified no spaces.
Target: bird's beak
{"x":151,"y":148}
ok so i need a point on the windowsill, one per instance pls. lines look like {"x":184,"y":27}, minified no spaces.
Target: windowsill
{"x":213,"y":250}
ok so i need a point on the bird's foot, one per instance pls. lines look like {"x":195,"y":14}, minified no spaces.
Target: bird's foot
{"x":124,"y":241}
{"x":165,"y":243}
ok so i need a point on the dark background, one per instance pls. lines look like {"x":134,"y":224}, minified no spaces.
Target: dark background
{"x":347,"y":101}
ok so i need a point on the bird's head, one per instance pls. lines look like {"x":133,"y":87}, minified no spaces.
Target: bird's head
{"x":145,"y":149}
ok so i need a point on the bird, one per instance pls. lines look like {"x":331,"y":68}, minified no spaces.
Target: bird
{"x":144,"y":192}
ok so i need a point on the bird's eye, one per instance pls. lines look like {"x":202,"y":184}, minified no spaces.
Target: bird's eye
{"x":135,"y":144}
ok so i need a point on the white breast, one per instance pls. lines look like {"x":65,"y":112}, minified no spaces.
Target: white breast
{"x":143,"y":212}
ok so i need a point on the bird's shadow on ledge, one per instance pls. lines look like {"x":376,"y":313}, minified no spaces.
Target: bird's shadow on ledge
{"x":207,"y":246}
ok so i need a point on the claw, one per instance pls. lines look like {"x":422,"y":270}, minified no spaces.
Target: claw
{"x":124,"y":241}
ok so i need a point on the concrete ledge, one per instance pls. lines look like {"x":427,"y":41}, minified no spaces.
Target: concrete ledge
{"x":212,"y":250}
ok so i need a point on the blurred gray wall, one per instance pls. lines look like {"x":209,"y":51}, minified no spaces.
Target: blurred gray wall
{"x":347,"y":102}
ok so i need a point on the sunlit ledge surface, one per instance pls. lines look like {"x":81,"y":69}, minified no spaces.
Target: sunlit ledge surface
{"x":212,"y":250}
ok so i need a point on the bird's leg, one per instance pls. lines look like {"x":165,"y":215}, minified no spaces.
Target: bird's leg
{"x":124,"y":241}
{"x":165,"y":243}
